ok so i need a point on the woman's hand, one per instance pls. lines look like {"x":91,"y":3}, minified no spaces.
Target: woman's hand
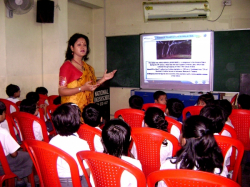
{"x":108,"y":76}
{"x":89,"y":87}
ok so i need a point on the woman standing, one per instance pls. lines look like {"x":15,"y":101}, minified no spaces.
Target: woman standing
{"x":77,"y":79}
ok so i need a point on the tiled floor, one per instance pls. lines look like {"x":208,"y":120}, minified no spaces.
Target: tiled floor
{"x":246,"y":170}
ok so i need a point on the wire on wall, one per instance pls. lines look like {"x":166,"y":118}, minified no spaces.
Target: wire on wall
{"x":219,"y":15}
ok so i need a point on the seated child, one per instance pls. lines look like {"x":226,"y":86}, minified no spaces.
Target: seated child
{"x":227,"y":110}
{"x":160,"y":97}
{"x":174,"y":108}
{"x":116,"y":136}
{"x":92,"y":116}
{"x":199,"y":149}
{"x":244,"y":101}
{"x":43,"y":91}
{"x":67,"y":120}
{"x":205,"y":99}
{"x":30,"y":106}
{"x":19,"y":161}
{"x":13,"y":91}
{"x":154,"y":118}
{"x":136,"y":102}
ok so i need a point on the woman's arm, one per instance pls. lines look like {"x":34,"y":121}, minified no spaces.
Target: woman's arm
{"x":106,"y":76}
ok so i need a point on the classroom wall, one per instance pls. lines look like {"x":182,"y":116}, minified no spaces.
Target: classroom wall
{"x":126,"y":18}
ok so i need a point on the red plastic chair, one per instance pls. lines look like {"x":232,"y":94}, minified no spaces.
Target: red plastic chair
{"x":148,"y":144}
{"x":8,"y":104}
{"x":107,"y":169}
{"x":225,"y":143}
{"x":190,"y":178}
{"x":193,"y":110}
{"x":229,"y":129}
{"x":51,"y":99}
{"x":12,"y":125}
{"x":44,"y":157}
{"x":18,"y":104}
{"x":42,"y":99}
{"x":133,"y":117}
{"x":51,"y":109}
{"x":25,"y":123}
{"x":233,"y":100}
{"x":173,"y":122}
{"x":157,"y":105}
{"x":240,"y":119}
{"x":88,"y":133}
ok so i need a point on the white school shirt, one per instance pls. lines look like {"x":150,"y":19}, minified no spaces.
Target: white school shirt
{"x":70,"y":144}
{"x":127,"y":179}
{"x":37,"y":130}
{"x":8,"y":143}
{"x":175,"y":132}
{"x":169,"y":165}
{"x":14,"y":100}
{"x":5,"y":125}
{"x":98,"y":143}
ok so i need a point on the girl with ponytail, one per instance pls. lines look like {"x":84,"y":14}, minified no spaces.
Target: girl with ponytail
{"x":199,"y":149}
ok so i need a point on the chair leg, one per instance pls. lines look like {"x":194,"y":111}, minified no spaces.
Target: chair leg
{"x":10,"y":182}
{"x":31,"y":179}
{"x":239,"y":177}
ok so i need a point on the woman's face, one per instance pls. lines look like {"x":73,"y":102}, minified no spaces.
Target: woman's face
{"x":80,"y":47}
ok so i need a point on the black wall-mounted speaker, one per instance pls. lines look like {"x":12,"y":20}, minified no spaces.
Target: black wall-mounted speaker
{"x":45,"y":11}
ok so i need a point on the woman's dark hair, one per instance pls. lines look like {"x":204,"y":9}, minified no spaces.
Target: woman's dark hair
{"x":226,"y":107}
{"x":33,"y":96}
{"x":72,"y":41}
{"x":67,"y":119}
{"x":2,"y":107}
{"x":42,"y":90}
{"x":116,"y":137}
{"x":154,"y":118}
{"x":92,"y":114}
{"x":207,"y":98}
{"x":28,"y":106}
{"x":175,"y":107}
{"x":201,"y":149}
{"x":216,"y":115}
{"x":136,"y":102}
{"x":11,"y":89}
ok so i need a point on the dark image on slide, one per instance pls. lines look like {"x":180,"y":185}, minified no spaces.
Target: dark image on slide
{"x":175,"y":49}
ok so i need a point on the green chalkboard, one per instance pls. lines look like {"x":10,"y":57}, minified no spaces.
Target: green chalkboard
{"x":231,"y":58}
{"x":123,"y":54}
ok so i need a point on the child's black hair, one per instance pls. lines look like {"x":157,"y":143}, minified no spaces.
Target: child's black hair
{"x":244,"y":101}
{"x":207,"y":98}
{"x":226,"y":107}
{"x":57,"y":100}
{"x":92,"y":114}
{"x":175,"y":107}
{"x":33,"y":96}
{"x":201,"y":149}
{"x":157,"y":94}
{"x":116,"y":137}
{"x":42,"y":90}
{"x":136,"y":102}
{"x":11,"y":89}
{"x":28,"y":106}
{"x":2,"y":107}
{"x":67,"y":119}
{"x":216,"y":115}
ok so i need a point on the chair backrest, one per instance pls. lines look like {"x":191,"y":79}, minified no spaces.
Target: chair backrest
{"x":88,"y":133}
{"x":240,"y":119}
{"x":148,"y":143}
{"x":229,"y":129}
{"x":12,"y":125}
{"x":42,"y":98}
{"x":8,"y":104}
{"x":25,"y":123}
{"x":157,"y":105}
{"x":190,"y":178}
{"x":18,"y":104}
{"x":51,"y":99}
{"x":193,"y":110}
{"x":50,"y":109}
{"x":107,"y":169}
{"x":233,"y":100}
{"x":133,"y":117}
{"x":225,"y":143}
{"x":44,"y":157}
{"x":173,"y":122}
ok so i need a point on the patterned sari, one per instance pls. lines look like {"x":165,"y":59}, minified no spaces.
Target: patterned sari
{"x":71,"y":77}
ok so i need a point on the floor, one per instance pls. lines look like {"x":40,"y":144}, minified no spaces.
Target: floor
{"x":246,"y":169}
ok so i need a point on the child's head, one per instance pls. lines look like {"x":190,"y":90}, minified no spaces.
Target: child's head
{"x":226,"y":107}
{"x":33,"y":96}
{"x":205,"y":99}
{"x":92,"y":115}
{"x":13,"y":90}
{"x":174,"y":107}
{"x":2,"y":111}
{"x":42,"y":90}
{"x":67,"y":119}
{"x":199,"y":147}
{"x":154,"y":118}
{"x":116,"y":137}
{"x":216,"y":115}
{"x":244,"y":101}
{"x":160,"y":97}
{"x":136,"y":102}
{"x":29,"y":106}
{"x":57,"y":100}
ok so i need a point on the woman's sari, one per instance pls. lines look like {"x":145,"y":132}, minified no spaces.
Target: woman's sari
{"x":71,"y":77}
